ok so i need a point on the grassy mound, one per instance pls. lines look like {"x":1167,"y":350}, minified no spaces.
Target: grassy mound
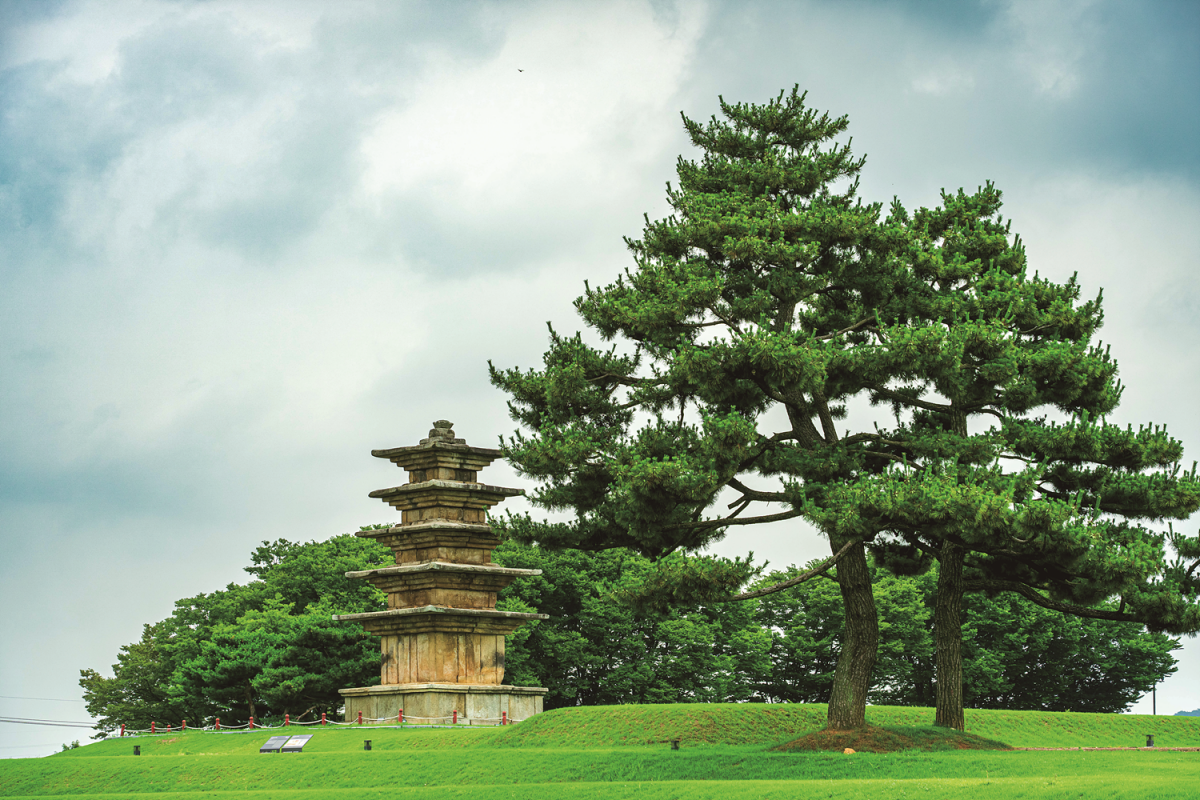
{"x":893,"y":739}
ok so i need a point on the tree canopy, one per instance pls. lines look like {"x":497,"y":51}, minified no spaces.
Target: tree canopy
{"x":262,"y":649}
{"x":756,"y":322}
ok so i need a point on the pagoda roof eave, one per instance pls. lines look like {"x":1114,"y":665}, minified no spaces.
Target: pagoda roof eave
{"x":459,"y":446}
{"x":440,"y":610}
{"x":456,"y":486}
{"x":443,"y":566}
{"x":428,"y":526}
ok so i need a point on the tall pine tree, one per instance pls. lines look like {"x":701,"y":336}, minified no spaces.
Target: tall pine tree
{"x":756,"y":294}
{"x":1003,"y":499}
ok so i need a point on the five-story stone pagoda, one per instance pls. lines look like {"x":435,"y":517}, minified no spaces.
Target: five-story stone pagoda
{"x":442,"y":637}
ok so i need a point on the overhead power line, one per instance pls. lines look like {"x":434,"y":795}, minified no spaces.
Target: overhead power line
{"x":56,"y":723}
{"x":50,"y":699}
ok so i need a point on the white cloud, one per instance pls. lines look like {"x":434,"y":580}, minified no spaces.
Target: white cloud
{"x":561,"y":110}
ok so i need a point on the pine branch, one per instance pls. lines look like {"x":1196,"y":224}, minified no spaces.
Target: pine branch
{"x":912,"y":401}
{"x":816,"y":571}
{"x":709,"y":524}
{"x":1034,"y":596}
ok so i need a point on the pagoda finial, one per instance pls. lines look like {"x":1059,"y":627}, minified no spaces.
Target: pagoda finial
{"x":442,"y":433}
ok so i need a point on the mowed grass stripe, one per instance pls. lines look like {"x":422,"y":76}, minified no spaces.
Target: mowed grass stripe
{"x":1092,"y":787}
{"x":116,"y":775}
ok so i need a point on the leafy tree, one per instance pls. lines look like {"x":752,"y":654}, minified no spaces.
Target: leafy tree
{"x":595,"y":649}
{"x":143,"y":688}
{"x":1016,"y":654}
{"x":264,"y":648}
{"x":291,"y":663}
{"x":784,"y":646}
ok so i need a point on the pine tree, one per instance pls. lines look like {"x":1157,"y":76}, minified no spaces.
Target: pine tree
{"x":755,"y":294}
{"x":1003,"y":499}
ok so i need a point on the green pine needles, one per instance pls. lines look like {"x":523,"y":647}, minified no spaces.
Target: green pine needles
{"x":772,"y":303}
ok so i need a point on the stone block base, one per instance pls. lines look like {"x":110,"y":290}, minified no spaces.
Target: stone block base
{"x":435,"y":703}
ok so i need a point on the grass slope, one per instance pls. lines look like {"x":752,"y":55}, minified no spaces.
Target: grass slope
{"x":618,"y":752}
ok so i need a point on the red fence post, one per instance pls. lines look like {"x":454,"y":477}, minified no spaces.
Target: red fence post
{"x":287,"y":720}
{"x":252,"y":723}
{"x":152,"y":726}
{"x":400,"y":717}
{"x":122,"y":730}
{"x":360,"y":718}
{"x":322,"y":717}
{"x":183,"y":727}
{"x":168,"y":727}
{"x":218,"y":723}
{"x":455,"y":722}
{"x":503,"y":717}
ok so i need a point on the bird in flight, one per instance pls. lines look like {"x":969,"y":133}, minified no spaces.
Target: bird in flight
{"x":520,"y":70}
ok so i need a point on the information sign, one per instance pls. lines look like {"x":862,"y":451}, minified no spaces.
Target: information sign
{"x":273,"y":744}
{"x":295,"y":744}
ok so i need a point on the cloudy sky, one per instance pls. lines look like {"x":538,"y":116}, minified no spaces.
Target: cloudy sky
{"x":243,"y":243}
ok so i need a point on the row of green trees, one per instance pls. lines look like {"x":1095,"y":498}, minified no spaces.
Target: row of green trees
{"x":784,"y":351}
{"x":269,"y":647}
{"x":261,"y":649}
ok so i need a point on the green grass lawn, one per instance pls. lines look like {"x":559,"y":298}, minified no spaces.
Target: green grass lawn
{"x":618,"y":752}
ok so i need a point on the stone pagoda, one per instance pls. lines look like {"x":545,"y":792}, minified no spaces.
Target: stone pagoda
{"x":442,"y":637}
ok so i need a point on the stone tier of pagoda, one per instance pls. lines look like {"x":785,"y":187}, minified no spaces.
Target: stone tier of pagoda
{"x":441,"y":635}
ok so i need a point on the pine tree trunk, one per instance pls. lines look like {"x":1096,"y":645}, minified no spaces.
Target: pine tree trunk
{"x":947,"y":631}
{"x":860,"y":641}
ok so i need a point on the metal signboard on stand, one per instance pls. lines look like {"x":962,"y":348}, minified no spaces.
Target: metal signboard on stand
{"x":273,"y":744}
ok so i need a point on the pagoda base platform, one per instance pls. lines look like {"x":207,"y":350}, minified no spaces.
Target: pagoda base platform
{"x":435,"y":703}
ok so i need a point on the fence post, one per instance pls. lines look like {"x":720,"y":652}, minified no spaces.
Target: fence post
{"x":503,"y":717}
{"x":152,"y":726}
{"x":455,"y":722}
{"x":287,"y":720}
{"x":122,"y":729}
{"x":252,"y":723}
{"x":322,"y":717}
{"x":400,"y":717}
{"x":360,"y":718}
{"x":183,"y":727}
{"x":218,"y":723}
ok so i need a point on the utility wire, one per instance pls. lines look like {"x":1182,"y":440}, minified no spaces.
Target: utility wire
{"x":51,"y":699}
{"x":27,"y":746}
{"x":57,"y":723}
